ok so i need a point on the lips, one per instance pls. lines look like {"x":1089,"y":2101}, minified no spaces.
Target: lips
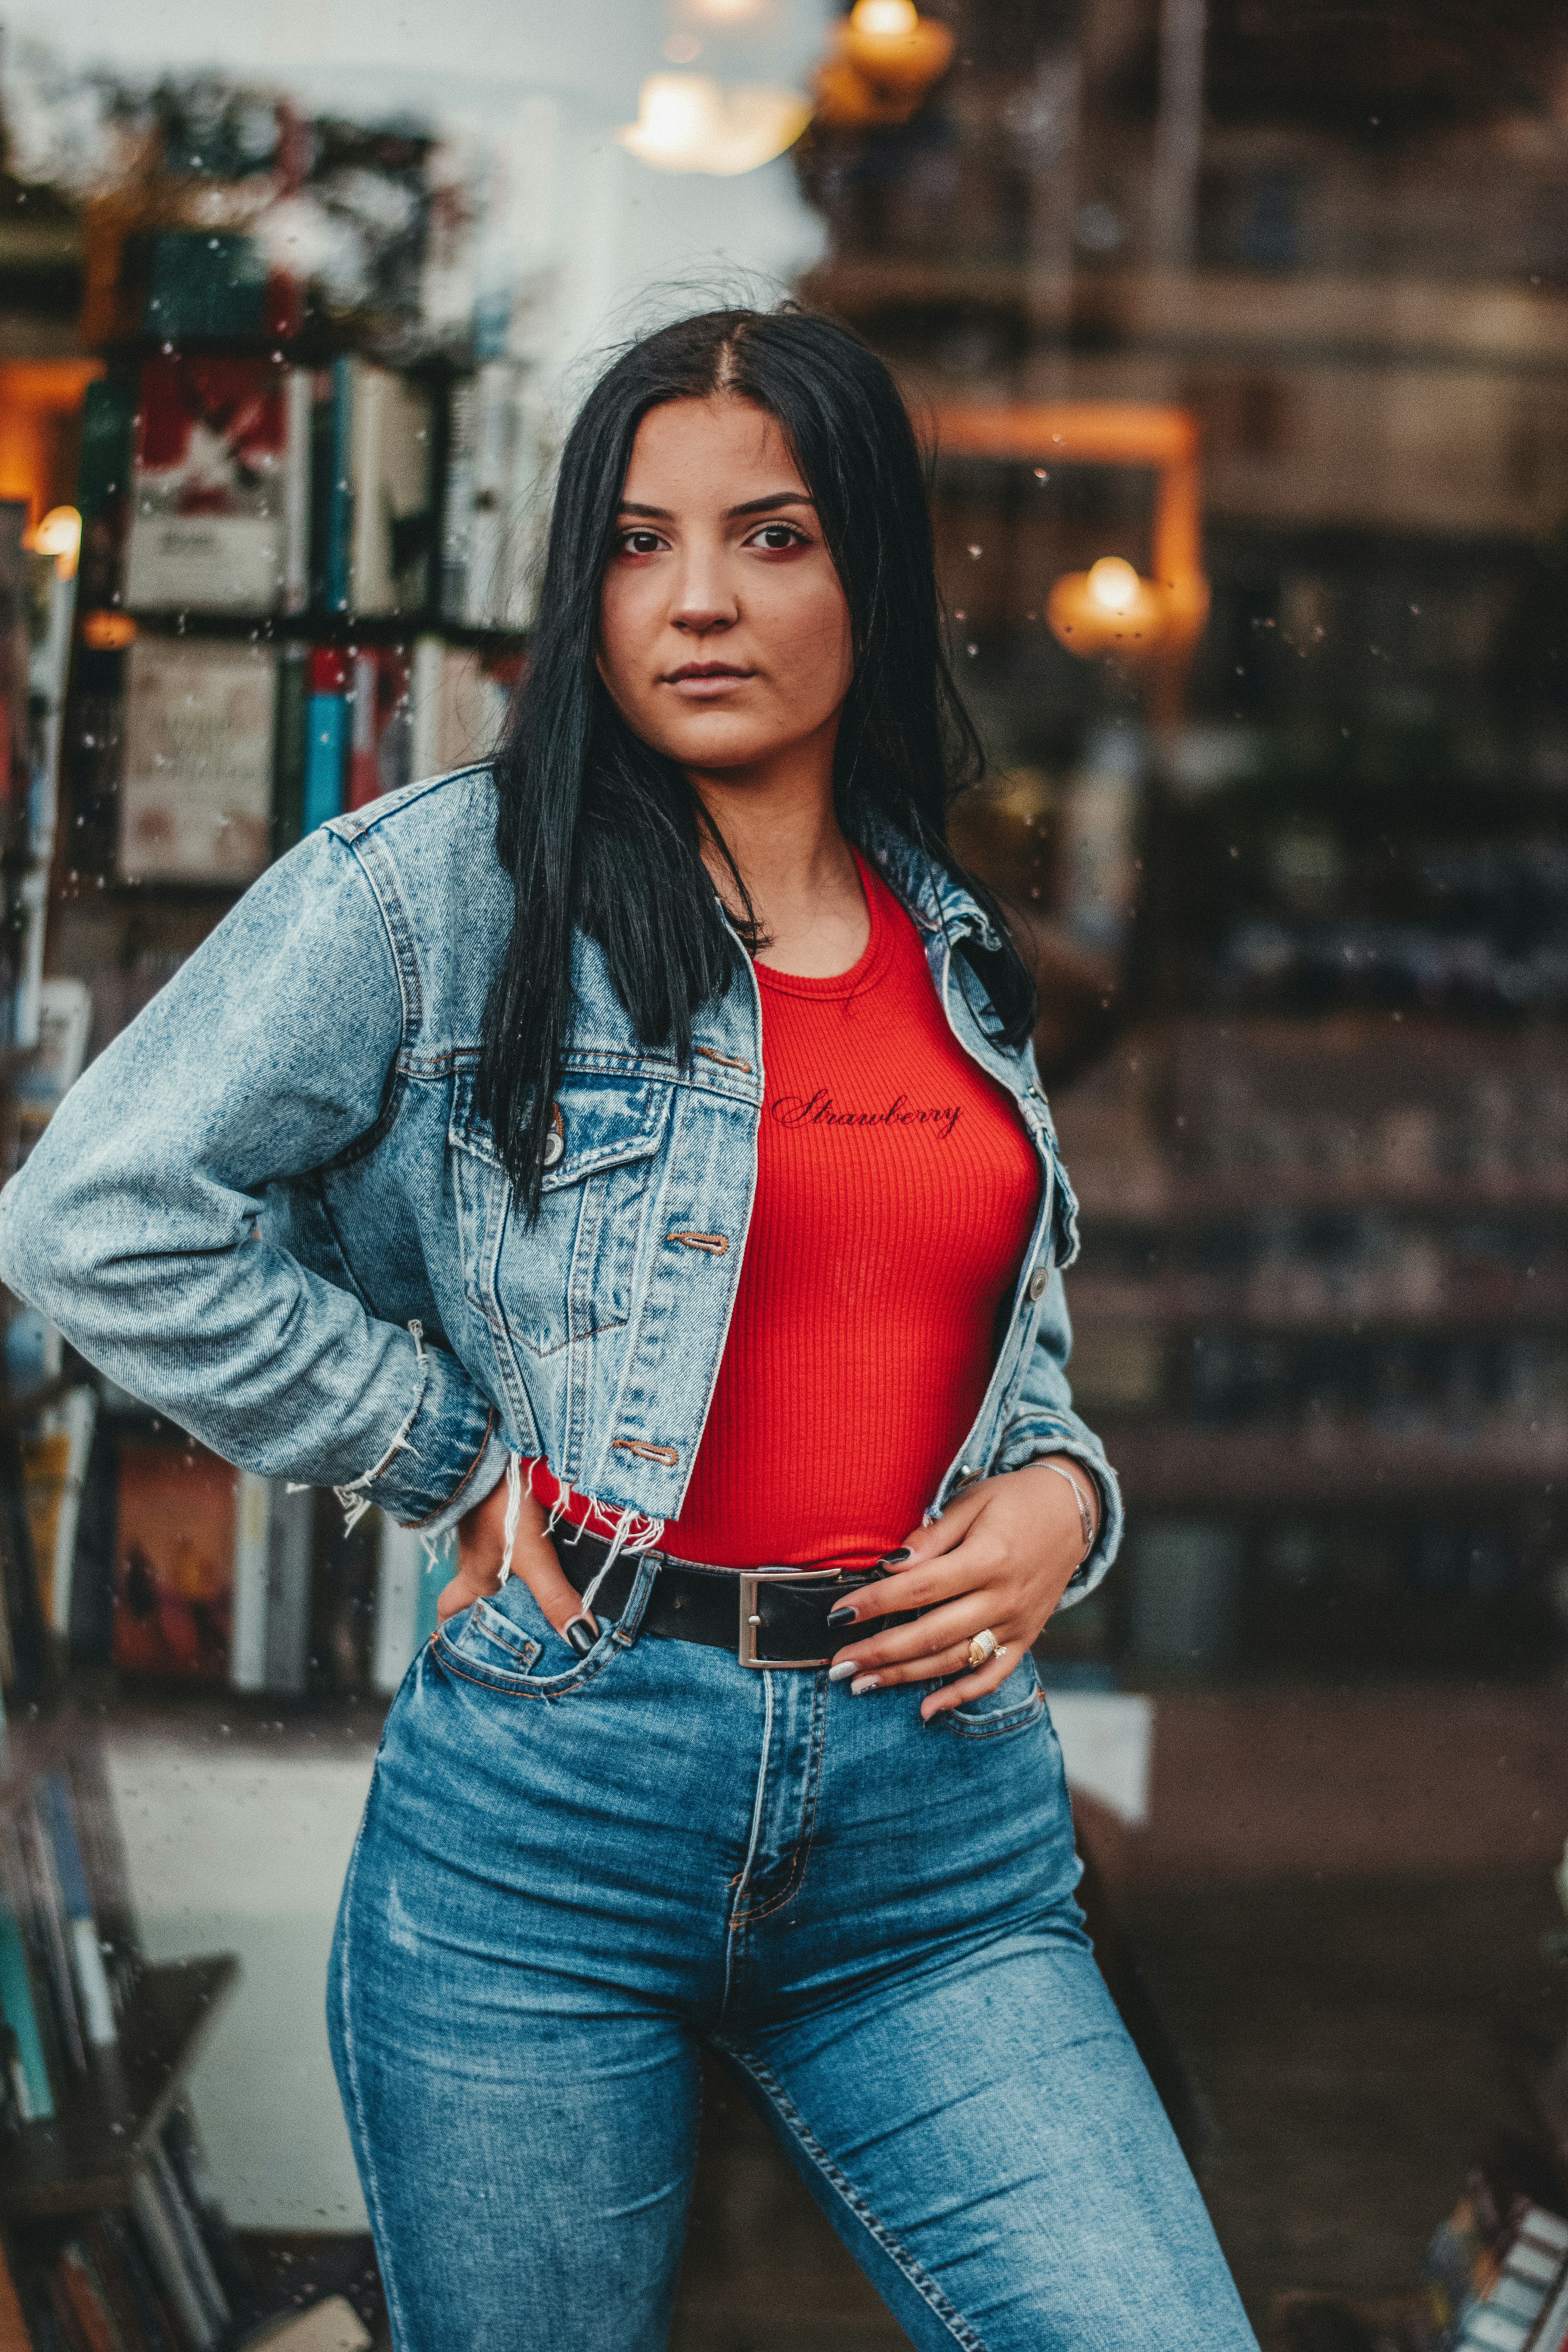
{"x":706,"y":681}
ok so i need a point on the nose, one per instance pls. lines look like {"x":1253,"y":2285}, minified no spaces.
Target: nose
{"x":704,"y":599}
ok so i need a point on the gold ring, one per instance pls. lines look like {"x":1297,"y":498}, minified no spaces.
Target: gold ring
{"x":984,"y":1646}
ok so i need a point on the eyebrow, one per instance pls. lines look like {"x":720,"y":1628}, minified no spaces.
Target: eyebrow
{"x":731,"y":514}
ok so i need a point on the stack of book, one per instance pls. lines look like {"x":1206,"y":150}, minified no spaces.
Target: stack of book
{"x":144,"y":1551}
{"x":241,"y":488}
{"x":1499,"y":2292}
{"x":58,"y":1995}
{"x":498,"y":468}
{"x":260,"y":487}
{"x":1495,"y":2278}
{"x":167,"y":2274}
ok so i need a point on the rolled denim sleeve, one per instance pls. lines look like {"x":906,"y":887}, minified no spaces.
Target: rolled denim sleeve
{"x":1044,"y":1422}
{"x":136,"y":1224}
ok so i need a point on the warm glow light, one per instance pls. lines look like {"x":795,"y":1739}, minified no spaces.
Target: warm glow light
{"x":107,"y":633}
{"x":1114,"y":583}
{"x":60,"y":535}
{"x":1109,"y":610}
{"x":880,"y":19}
{"x":881,"y":60}
{"x":690,"y":122}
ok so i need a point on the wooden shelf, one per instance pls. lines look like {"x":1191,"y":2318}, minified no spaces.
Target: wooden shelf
{"x":90,"y":889}
{"x":105,"y":2118}
{"x":1177,"y":1465}
{"x":1463,"y":1305}
{"x":323,"y":628}
{"x":1214,"y":1197}
{"x":316,"y":344}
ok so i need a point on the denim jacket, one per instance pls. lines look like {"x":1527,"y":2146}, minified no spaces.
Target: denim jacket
{"x":272,"y":1209}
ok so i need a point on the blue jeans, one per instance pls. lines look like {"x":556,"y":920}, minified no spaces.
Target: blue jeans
{"x":573,"y":1873}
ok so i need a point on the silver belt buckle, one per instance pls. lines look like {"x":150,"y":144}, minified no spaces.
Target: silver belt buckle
{"x":746,"y":1650}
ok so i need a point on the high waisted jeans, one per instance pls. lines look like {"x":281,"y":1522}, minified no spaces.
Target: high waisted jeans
{"x":573,"y":1873}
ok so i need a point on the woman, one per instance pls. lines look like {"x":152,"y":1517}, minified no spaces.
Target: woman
{"x":632,"y":1157}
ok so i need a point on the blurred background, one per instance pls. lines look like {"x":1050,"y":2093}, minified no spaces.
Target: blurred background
{"x":1238,"y":335}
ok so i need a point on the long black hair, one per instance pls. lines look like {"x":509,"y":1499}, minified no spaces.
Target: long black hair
{"x":600,"y":833}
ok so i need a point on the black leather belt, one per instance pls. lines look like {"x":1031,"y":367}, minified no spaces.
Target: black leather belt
{"x":767,"y":1616}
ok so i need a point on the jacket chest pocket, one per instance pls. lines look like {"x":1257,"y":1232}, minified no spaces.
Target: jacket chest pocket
{"x":570,"y":1276}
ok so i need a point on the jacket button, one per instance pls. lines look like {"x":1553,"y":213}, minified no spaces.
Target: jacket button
{"x":1038,"y":1282}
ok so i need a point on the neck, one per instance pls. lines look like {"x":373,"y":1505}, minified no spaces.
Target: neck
{"x":780,"y":826}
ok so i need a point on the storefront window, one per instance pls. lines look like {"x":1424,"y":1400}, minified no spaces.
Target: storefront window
{"x":1235,"y":337}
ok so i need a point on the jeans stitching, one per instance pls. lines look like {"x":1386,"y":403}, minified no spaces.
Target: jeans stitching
{"x":351,"y":2062}
{"x":478,"y":1457}
{"x":736,"y":1925}
{"x":445,"y":1658}
{"x":808,"y":1825}
{"x":382,"y":876}
{"x":925,"y":2286}
{"x":1004,"y":1727}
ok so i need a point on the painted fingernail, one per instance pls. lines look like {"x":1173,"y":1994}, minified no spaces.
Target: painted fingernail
{"x":582,"y":1633}
{"x":843,"y":1615}
{"x":843,"y":1670}
{"x":892,"y":1559}
{"x":866,"y":1683}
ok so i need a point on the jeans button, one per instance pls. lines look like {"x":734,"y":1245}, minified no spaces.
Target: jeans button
{"x":1038,"y":1282}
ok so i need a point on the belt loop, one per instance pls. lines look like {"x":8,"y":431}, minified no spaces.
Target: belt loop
{"x":629,"y":1623}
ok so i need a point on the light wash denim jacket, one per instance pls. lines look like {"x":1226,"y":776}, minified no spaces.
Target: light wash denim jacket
{"x":272,"y":1209}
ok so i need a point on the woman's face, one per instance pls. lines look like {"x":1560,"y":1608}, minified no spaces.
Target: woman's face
{"x":723,"y":633}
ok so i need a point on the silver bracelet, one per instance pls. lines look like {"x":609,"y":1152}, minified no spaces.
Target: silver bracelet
{"x":1085,"y":1515}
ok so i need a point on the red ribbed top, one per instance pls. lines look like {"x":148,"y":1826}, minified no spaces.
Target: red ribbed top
{"x":895,"y":1192}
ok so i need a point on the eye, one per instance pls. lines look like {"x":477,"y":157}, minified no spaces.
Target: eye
{"x":777,"y":537}
{"x":640,"y":543}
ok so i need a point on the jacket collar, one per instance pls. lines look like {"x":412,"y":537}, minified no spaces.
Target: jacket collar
{"x":935,"y":901}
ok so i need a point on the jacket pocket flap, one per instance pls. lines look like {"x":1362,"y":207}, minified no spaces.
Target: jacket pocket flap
{"x":604,"y":1119}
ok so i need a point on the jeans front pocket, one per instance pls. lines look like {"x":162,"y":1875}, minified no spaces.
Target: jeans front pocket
{"x":497,"y":1643}
{"x":1015,"y":1705}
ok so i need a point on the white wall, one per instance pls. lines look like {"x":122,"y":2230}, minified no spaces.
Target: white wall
{"x":242,"y":1850}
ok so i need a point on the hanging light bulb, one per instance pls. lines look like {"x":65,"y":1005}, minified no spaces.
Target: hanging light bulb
{"x":1110,"y":609}
{"x":881,"y":60}
{"x":1114,"y":583}
{"x":880,"y":19}
{"x":690,"y":122}
{"x":60,"y":535}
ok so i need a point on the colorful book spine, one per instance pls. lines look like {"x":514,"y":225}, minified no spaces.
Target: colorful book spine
{"x":1506,"y":2318}
{"x":59,"y":1815}
{"x":83,"y":2295}
{"x":53,"y":1928}
{"x":340,"y":503}
{"x":30,"y":2074}
{"x":297,"y":435}
{"x":188,"y":2231}
{"x":364,"y":779}
{"x":167,"y":2254}
{"x":288,"y":752}
{"x":326,"y":738}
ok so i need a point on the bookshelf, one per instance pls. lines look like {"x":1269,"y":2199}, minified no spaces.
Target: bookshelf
{"x":1321,"y":1322}
{"x":102,"y":2132}
{"x":362,"y":512}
